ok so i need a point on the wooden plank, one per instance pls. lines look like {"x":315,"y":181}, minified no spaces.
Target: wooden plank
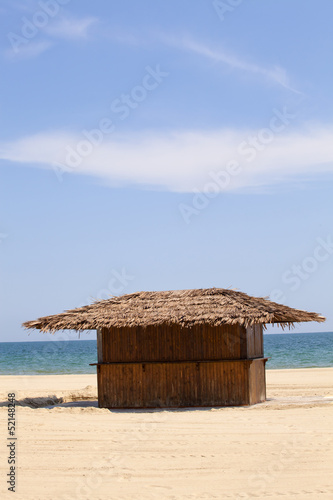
{"x":99,"y":346}
{"x":243,"y":354}
{"x":261,"y":340}
{"x":255,"y":342}
{"x":250,"y":335}
{"x":257,"y":381}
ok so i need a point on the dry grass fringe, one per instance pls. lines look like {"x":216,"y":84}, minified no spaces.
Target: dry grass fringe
{"x":212,"y":306}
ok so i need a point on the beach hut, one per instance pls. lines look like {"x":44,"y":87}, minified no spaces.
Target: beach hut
{"x":178,"y":348}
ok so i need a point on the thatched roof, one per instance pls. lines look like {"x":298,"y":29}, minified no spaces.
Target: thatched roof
{"x":213,"y":306}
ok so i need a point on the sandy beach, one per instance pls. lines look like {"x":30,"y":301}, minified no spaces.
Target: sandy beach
{"x":69,"y":448}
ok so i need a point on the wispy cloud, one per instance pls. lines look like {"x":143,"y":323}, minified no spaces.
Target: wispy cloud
{"x":29,"y":50}
{"x":275,"y":74}
{"x":70,"y":28}
{"x":31,"y":40}
{"x":181,"y":161}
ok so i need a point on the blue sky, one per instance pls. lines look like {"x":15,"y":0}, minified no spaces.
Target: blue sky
{"x":164,"y":145}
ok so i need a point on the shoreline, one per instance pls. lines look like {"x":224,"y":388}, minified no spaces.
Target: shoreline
{"x":296,"y":368}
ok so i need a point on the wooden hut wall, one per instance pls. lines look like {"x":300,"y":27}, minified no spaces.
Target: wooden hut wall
{"x":174,"y":343}
{"x":179,"y":384}
{"x":167,"y":366}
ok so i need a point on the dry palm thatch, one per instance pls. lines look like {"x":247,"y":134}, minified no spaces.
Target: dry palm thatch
{"x":212,"y":306}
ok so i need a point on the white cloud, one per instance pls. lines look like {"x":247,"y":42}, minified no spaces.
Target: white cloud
{"x":182,"y":161}
{"x":275,"y":73}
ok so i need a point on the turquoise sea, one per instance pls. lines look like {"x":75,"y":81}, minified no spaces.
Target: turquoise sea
{"x":292,"y":350}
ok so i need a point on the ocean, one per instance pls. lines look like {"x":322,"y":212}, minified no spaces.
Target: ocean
{"x":290,"y":350}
